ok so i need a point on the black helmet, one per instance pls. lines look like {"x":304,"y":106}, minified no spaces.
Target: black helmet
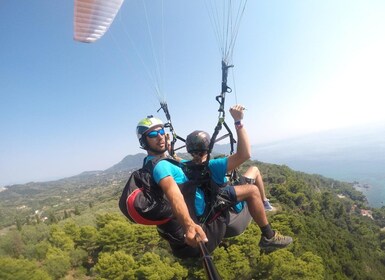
{"x":198,"y":141}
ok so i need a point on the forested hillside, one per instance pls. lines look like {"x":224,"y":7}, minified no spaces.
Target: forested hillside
{"x":72,"y":229}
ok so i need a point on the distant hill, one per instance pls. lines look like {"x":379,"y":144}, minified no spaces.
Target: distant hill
{"x":129,"y":162}
{"x":66,"y":193}
{"x":334,"y":153}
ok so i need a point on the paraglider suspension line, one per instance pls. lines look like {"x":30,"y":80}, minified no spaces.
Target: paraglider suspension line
{"x":164,"y":107}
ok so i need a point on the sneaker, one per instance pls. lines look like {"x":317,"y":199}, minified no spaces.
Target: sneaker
{"x":267,"y":205}
{"x":278,"y":241}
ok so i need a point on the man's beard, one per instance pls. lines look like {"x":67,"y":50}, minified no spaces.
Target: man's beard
{"x":158,"y":151}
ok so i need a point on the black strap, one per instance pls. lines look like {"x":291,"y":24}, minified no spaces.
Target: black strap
{"x":164,"y":107}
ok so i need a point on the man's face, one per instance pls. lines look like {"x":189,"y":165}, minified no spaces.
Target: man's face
{"x":199,"y":157}
{"x":156,"y":140}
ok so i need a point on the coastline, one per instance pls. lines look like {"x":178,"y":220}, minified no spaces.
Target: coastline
{"x":373,"y":190}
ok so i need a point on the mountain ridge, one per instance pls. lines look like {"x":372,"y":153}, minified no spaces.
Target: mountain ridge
{"x":348,"y":148}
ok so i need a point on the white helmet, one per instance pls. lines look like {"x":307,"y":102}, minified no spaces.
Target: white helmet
{"x":144,"y":126}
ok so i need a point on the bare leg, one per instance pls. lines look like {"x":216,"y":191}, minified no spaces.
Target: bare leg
{"x":253,"y":173}
{"x":251,"y":195}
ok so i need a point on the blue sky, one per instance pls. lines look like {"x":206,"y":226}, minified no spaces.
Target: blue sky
{"x":67,"y":107}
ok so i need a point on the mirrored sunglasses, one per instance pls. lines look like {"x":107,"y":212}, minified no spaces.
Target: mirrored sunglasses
{"x":154,"y":133}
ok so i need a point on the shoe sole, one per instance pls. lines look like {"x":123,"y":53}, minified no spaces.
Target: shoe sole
{"x":268,"y":250}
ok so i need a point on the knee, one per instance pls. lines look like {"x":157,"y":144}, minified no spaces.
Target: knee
{"x":254,"y":192}
{"x":256,"y":171}
{"x":252,"y":172}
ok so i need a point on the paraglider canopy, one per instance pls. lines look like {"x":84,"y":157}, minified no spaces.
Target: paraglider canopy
{"x":92,"y":18}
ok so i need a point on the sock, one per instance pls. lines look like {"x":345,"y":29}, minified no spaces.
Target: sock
{"x":267,"y":231}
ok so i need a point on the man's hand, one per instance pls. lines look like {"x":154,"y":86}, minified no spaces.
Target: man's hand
{"x":194,"y":234}
{"x":237,"y":112}
{"x":243,"y":152}
{"x":168,"y":141}
{"x":180,"y":210}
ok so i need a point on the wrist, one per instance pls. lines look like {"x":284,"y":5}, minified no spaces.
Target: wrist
{"x":238,"y":124}
{"x":187,"y":226}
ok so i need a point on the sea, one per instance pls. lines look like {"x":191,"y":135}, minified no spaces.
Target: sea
{"x":369,"y":177}
{"x":374,"y":191}
{"x":354,"y":154}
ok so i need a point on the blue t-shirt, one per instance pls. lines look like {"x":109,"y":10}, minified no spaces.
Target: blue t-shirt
{"x":165,"y":168}
{"x":218,"y":170}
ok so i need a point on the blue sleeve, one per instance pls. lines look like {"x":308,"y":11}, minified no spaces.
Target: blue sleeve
{"x":164,"y":168}
{"x":218,"y":169}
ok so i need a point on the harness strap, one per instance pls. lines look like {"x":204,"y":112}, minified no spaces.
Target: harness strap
{"x":134,"y":214}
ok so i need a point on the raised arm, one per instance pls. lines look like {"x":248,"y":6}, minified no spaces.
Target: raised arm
{"x":243,"y":152}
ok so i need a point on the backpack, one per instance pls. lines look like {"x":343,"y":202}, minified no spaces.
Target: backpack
{"x":142,"y":200}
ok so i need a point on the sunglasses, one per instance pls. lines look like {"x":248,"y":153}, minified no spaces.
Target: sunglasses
{"x":154,"y":133}
{"x":198,"y":154}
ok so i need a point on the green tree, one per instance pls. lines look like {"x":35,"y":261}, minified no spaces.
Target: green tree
{"x":57,"y":262}
{"x":37,"y":218}
{"x":52,"y":219}
{"x":12,"y":244}
{"x":18,"y":224}
{"x":115,"y":266}
{"x":78,"y":257}
{"x":37,"y":251}
{"x":66,"y":214}
{"x":240,"y":266}
{"x":77,"y":210}
{"x":116,"y":235}
{"x":152,"y":267}
{"x":72,"y":229}
{"x":103,"y":220}
{"x":60,"y":239}
{"x":33,"y":234}
{"x":282,"y":264}
{"x":19,"y":269}
{"x":88,"y":239}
